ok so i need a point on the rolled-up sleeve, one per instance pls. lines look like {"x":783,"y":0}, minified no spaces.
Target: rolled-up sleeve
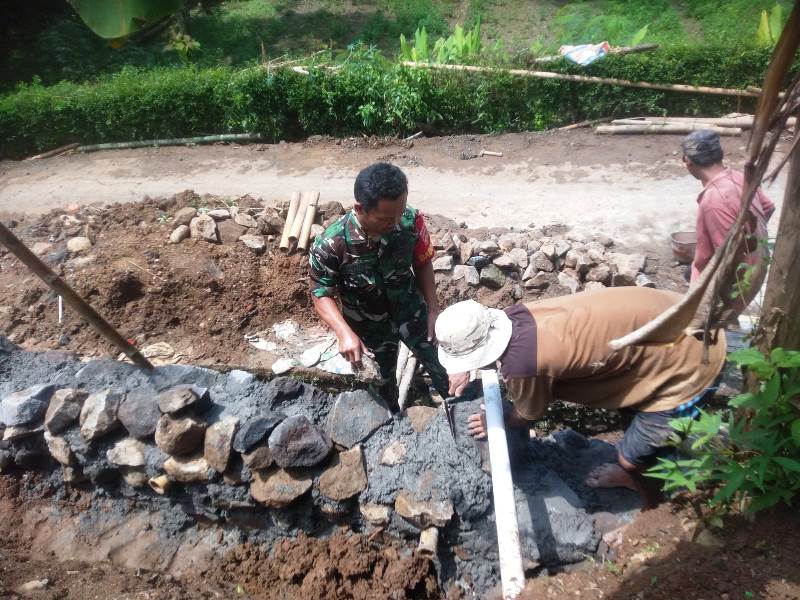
{"x":423,"y":249}
{"x":530,"y":395}
{"x":324,"y":268}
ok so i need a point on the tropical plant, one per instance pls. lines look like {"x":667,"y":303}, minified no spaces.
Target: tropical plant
{"x":770,"y":26}
{"x":750,"y":451}
{"x":115,"y":20}
{"x":183,"y":44}
{"x":637,"y":37}
{"x":459,"y":46}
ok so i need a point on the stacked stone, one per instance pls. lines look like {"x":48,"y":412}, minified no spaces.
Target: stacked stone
{"x":533,"y":263}
{"x":256,"y":228}
{"x":174,"y":436}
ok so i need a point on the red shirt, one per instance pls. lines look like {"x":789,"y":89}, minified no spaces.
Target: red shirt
{"x":717,"y":208}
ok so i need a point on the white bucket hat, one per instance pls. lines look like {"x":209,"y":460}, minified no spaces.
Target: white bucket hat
{"x":471,"y":336}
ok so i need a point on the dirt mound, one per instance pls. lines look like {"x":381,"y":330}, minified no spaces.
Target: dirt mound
{"x":199,"y":297}
{"x":343,"y":566}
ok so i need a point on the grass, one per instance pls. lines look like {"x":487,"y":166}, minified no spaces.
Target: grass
{"x":236,"y":32}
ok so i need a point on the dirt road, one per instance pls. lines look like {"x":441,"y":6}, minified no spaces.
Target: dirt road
{"x":630,"y":187}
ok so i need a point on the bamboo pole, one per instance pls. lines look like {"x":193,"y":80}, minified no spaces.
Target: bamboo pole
{"x":669,"y":87}
{"x":405,"y":381}
{"x":297,"y":222}
{"x":668,"y":128}
{"x":202,"y":139}
{"x":60,"y":287}
{"x":308,"y":221}
{"x":294,"y":204}
{"x":744,"y":121}
{"x":402,"y":359}
{"x":54,"y":152}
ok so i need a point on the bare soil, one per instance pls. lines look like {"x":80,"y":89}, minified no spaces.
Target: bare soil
{"x":661,"y":555}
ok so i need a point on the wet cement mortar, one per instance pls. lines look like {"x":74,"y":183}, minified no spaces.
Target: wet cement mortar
{"x":561,"y":520}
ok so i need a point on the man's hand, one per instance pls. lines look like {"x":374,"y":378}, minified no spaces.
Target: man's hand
{"x":351,"y":347}
{"x":432,"y":316}
{"x":476,"y":424}
{"x":457,"y":383}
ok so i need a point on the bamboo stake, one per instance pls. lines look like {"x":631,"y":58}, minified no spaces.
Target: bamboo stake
{"x":402,"y":359}
{"x":294,"y":204}
{"x":744,"y":121}
{"x":60,"y":287}
{"x":669,"y":87}
{"x":54,"y":152}
{"x":581,"y":124}
{"x":297,"y":223}
{"x":405,"y":381}
{"x":308,"y":221}
{"x":666,"y":128}
{"x":203,"y":139}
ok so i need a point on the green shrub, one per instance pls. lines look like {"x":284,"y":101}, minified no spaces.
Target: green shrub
{"x":367,"y":95}
{"x":749,"y":452}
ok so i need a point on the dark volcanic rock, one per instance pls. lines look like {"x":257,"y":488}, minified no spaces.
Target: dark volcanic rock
{"x":25,"y":406}
{"x":355,"y":416}
{"x":255,"y":430}
{"x":297,"y":442}
{"x":139,"y":412}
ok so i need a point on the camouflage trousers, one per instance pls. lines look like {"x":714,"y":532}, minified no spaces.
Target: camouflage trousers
{"x":383,"y":337}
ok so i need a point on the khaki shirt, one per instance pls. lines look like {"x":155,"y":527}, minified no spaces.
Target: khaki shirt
{"x":559,"y":350}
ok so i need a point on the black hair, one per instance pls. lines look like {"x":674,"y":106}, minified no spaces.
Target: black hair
{"x":379,"y":180}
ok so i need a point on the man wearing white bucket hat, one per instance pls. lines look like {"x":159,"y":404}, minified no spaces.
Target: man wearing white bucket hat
{"x":558,"y":349}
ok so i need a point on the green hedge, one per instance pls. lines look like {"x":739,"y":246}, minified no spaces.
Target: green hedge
{"x":368,"y":96}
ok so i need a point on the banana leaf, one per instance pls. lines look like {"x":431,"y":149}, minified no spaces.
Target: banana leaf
{"x":116,"y":19}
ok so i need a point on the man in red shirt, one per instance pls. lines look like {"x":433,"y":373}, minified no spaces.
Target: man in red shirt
{"x":717,"y":208}
{"x":377,"y":260}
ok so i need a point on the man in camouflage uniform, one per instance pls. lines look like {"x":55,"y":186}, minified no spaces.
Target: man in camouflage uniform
{"x":377,"y":259}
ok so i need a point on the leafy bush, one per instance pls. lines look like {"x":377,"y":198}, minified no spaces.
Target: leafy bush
{"x":751,"y":451}
{"x":366,"y":95}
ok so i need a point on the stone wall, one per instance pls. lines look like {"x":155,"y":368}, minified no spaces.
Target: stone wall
{"x":265,"y":459}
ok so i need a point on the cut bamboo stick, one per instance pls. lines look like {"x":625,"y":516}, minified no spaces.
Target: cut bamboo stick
{"x":669,"y":128}
{"x":405,"y":381}
{"x":308,"y":221}
{"x":669,"y":87}
{"x":54,"y":152}
{"x":294,"y":203}
{"x":297,"y":223}
{"x":402,"y":359}
{"x":743,"y":121}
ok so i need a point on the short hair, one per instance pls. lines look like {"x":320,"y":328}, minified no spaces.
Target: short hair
{"x":379,"y":180}
{"x":703,"y":147}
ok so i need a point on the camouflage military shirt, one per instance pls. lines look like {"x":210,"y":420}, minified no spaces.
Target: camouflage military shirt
{"x":373,"y":278}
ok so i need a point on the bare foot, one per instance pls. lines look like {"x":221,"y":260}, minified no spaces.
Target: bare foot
{"x":610,"y":475}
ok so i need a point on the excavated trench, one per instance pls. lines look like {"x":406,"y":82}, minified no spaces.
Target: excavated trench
{"x":242,"y":460}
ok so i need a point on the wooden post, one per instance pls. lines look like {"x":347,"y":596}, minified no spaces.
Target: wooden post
{"x":60,"y":287}
{"x":779,"y":325}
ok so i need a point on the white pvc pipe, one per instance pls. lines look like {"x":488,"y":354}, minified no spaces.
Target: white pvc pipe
{"x":60,"y":310}
{"x":505,"y":509}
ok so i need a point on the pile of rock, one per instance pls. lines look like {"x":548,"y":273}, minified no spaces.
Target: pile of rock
{"x":532,"y":263}
{"x":256,"y":226}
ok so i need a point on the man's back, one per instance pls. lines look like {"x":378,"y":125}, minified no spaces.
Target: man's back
{"x":573,"y":361}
